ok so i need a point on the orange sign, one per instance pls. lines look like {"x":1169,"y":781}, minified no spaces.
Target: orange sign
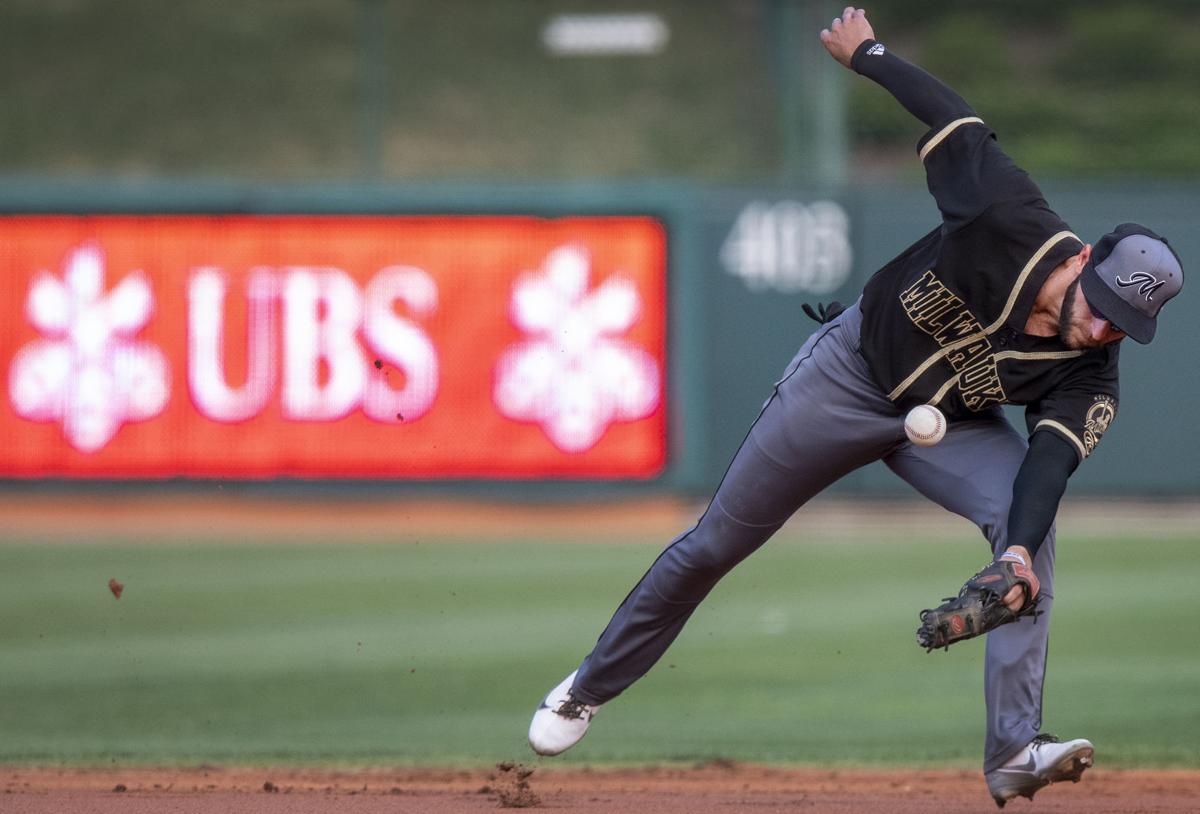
{"x":325,"y":346}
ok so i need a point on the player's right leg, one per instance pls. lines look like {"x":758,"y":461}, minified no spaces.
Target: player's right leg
{"x":1042,"y":761}
{"x":825,"y":418}
{"x":971,"y":473}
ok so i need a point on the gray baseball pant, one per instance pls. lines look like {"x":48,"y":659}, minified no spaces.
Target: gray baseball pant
{"x":826,"y":418}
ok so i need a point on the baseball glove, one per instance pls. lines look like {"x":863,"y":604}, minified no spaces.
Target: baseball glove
{"x":979,"y":606}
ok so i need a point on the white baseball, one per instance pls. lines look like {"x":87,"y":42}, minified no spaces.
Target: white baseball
{"x":925,"y":425}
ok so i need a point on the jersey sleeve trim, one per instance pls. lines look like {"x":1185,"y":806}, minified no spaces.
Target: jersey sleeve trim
{"x":942,"y":134}
{"x":1062,"y":430}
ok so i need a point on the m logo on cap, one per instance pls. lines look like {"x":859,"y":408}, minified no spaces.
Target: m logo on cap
{"x":1149,"y":283}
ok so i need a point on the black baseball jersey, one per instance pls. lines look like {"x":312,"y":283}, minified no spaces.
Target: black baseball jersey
{"x":944,"y":322}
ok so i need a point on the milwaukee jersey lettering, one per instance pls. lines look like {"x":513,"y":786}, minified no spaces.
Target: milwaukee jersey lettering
{"x":938,"y":312}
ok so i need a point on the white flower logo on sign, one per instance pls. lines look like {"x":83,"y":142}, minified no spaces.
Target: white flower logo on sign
{"x":574,"y":375}
{"x":89,"y":372}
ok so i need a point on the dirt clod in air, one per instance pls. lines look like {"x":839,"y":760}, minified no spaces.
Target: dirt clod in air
{"x":512,"y":786}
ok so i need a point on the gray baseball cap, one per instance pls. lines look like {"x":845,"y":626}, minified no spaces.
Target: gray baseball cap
{"x":1130,"y":276}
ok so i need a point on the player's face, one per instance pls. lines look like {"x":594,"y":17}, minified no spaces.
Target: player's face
{"x":1080,"y":325}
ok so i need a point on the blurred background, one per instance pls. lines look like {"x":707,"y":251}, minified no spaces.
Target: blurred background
{"x":405,"y":90}
{"x":358,"y":275}
{"x":774,"y":175}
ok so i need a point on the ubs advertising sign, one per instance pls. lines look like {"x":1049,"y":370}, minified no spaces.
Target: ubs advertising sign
{"x":327,"y":346}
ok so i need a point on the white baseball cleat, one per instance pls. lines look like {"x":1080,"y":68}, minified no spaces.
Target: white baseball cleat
{"x":1044,"y":761}
{"x":560,"y":721}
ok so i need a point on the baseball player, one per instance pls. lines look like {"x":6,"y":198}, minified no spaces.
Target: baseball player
{"x":1000,"y":303}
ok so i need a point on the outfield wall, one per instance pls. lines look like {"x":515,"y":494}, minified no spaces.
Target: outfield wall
{"x":611,"y":337}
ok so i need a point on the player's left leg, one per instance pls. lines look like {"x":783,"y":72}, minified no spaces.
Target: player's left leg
{"x":825,"y":418}
{"x":971,"y":473}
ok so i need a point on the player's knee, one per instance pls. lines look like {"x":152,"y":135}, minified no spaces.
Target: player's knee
{"x":699,"y":561}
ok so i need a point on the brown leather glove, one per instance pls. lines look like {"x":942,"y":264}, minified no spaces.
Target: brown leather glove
{"x":979,"y":606}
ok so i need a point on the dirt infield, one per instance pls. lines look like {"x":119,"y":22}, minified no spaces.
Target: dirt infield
{"x":715,"y":787}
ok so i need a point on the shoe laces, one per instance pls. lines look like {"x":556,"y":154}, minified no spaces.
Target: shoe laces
{"x":572,"y":709}
{"x":1039,"y":740}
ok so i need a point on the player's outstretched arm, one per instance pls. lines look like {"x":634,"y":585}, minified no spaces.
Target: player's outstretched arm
{"x":850,"y":40}
{"x":1038,"y":489}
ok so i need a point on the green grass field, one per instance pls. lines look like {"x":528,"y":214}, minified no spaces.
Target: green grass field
{"x":437,"y":652}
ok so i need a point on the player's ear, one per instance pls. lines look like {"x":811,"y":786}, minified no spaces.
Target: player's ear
{"x":1085,"y":254}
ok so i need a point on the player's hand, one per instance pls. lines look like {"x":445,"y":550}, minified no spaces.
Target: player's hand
{"x":1015,"y":598}
{"x":846,"y":34}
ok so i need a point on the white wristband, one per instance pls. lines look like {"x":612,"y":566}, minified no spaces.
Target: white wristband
{"x":1013,"y":556}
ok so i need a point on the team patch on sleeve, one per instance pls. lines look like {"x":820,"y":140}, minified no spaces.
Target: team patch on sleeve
{"x":1096,"y":421}
{"x":1099,"y":416}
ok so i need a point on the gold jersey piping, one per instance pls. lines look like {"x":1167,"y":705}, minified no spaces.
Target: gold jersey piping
{"x":946,"y":131}
{"x":1001,"y":356}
